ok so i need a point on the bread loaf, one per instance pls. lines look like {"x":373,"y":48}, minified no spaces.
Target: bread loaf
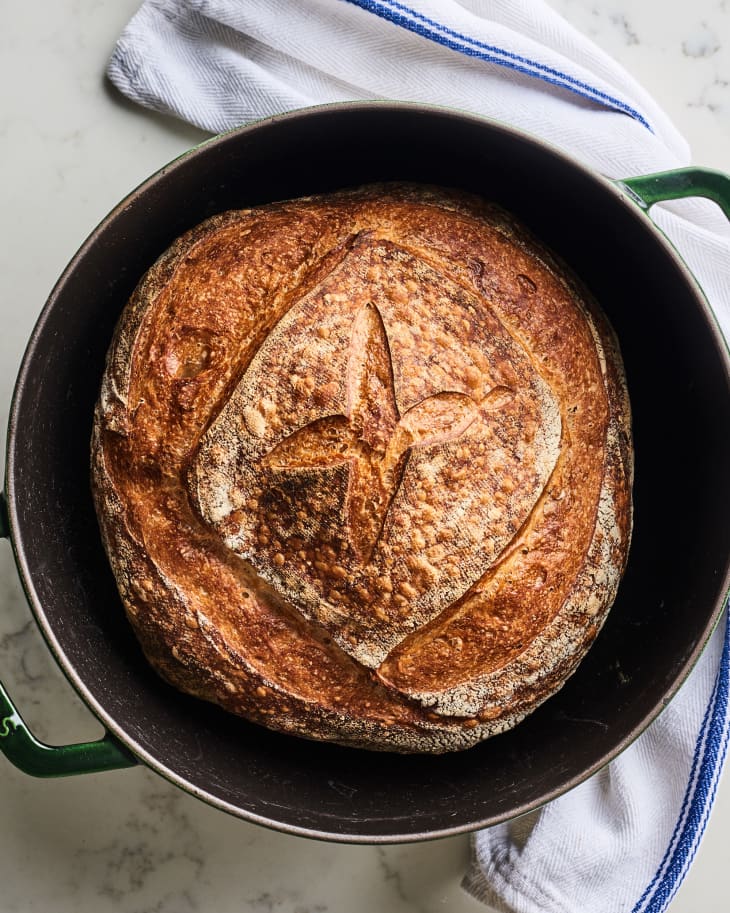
{"x":362,"y":467}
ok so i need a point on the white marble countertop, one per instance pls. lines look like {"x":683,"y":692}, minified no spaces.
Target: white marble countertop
{"x":128,"y":841}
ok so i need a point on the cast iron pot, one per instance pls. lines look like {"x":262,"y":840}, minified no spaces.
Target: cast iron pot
{"x":676,"y":581}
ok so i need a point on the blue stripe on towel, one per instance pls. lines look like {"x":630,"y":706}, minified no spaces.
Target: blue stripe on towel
{"x":691,"y":783}
{"x":402,"y":15}
{"x":717,"y":730}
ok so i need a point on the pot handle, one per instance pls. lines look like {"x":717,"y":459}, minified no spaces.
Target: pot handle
{"x":34,"y":757}
{"x":648,"y":189}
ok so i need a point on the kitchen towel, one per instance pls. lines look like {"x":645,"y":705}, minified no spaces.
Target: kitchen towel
{"x":622,"y":841}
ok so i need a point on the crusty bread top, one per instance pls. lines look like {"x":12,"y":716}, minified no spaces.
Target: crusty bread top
{"x":362,"y":467}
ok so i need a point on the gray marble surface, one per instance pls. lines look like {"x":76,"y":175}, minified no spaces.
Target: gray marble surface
{"x":70,"y":148}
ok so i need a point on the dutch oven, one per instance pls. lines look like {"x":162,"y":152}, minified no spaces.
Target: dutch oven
{"x":676,"y":582}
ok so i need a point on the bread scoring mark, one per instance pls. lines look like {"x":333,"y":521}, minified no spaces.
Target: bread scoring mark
{"x":372,"y":476}
{"x":373,"y":438}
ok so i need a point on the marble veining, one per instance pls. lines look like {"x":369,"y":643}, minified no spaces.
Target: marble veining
{"x":622,"y":24}
{"x":155,"y":840}
{"x":129,"y":842}
{"x":714,"y":96}
{"x":703,"y":43}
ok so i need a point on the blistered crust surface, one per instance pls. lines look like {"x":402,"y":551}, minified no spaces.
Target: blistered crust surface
{"x":362,"y":466}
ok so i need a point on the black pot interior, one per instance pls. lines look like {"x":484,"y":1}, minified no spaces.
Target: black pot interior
{"x":678,"y":564}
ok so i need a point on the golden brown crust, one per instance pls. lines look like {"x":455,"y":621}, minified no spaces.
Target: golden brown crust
{"x":362,"y":466}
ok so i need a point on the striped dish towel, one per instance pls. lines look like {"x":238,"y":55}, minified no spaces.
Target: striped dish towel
{"x":623,"y":840}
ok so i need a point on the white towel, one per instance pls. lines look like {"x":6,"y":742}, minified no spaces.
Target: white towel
{"x":623,"y":840}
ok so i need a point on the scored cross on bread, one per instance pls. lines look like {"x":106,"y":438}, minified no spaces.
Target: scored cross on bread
{"x":373,"y":437}
{"x":430,"y":482}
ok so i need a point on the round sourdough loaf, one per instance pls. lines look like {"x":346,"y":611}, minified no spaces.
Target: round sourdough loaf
{"x":362,"y":467}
